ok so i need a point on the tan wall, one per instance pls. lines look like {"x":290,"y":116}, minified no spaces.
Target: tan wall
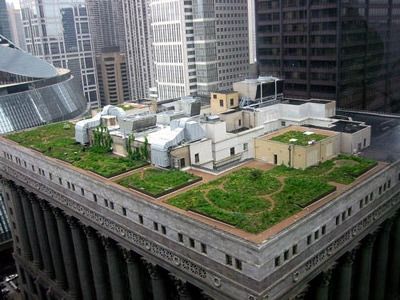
{"x":301,"y":156}
{"x":216,"y":107}
{"x":179,"y":153}
{"x":233,"y":120}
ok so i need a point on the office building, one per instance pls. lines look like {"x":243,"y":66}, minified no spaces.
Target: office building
{"x":17,"y":30}
{"x":199,"y":46}
{"x":4,"y":20}
{"x":113,"y":76}
{"x":313,"y":233}
{"x":58,"y":32}
{"x":342,"y":50}
{"x":138,"y":47}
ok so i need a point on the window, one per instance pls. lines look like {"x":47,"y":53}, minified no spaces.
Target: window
{"x":316,"y":235}
{"x":106,"y":202}
{"x":286,"y":255}
{"x":232,"y":151}
{"x":228,"y":259}
{"x":245,"y":146}
{"x":196,"y":158}
{"x":221,"y":103}
{"x":231,"y":101}
{"x":140,"y":219}
{"x":191,"y":242}
{"x":277,"y":261}
{"x":124,"y":211}
{"x":59,"y":180}
{"x":380,"y":190}
{"x":238,"y":264}
{"x":51,"y":176}
{"x":389,"y":183}
{"x":155,"y":226}
{"x":69,"y":185}
{"x":94,"y":197}
{"x":82,"y":192}
{"x":361,"y":203}
{"x":294,"y":249}
{"x":349,"y":211}
{"x":33,"y":168}
{"x":111,"y":205}
{"x":73,"y":187}
{"x":204,"y":248}
{"x":283,"y":123}
{"x":343,"y":216}
{"x":163,"y":229}
{"x":309,"y":239}
{"x":371,"y":196}
{"x":214,"y":96}
{"x":180,"y":237}
{"x":323,"y":230}
{"x":337,"y":220}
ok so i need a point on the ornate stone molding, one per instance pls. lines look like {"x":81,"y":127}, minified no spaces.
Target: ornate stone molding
{"x":134,"y":238}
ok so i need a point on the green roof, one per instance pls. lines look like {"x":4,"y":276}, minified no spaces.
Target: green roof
{"x":297,"y":137}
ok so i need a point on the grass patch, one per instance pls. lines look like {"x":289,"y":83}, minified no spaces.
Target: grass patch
{"x":254,"y":200}
{"x":157,"y":182}
{"x":301,"y":138}
{"x":57,"y":140}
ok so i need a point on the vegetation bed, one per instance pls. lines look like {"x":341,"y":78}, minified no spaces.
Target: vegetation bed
{"x":298,"y":138}
{"x":158,"y":182}
{"x":254,"y":200}
{"x":57,"y":141}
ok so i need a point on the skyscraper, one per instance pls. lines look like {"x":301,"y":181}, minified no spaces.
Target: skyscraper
{"x":4,"y":21}
{"x":17,"y":30}
{"x":107,"y":29}
{"x":58,"y":31}
{"x":344,"y":50}
{"x":138,"y":47}
{"x":199,"y":46}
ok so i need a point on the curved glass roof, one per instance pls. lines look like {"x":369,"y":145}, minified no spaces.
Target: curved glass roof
{"x":16,"y":61}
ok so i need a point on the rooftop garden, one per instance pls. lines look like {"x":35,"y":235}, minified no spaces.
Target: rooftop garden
{"x":254,"y":200}
{"x":158,"y":182}
{"x":57,"y":140}
{"x":298,"y":137}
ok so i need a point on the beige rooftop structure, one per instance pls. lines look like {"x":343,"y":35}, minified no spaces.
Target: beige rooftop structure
{"x":293,"y":153}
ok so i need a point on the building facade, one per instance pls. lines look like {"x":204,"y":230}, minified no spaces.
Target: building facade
{"x":113,"y":76}
{"x":4,"y":20}
{"x":136,"y":17}
{"x":17,"y":30}
{"x":58,"y":32}
{"x":342,"y":50}
{"x":199,"y":46}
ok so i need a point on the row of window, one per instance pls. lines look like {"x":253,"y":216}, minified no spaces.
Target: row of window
{"x":288,"y":253}
{"x":110,"y":204}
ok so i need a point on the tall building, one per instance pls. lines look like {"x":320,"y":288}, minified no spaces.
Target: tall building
{"x":58,"y":31}
{"x":17,"y":30}
{"x":4,"y":20}
{"x":107,"y":27}
{"x":199,"y":46}
{"x":106,"y":24}
{"x":113,"y":76}
{"x":252,"y":32}
{"x":138,"y":47}
{"x":343,"y":50}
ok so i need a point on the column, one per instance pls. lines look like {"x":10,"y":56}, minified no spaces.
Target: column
{"x":344,"y":280}
{"x":381,"y":260}
{"x":322,"y":291}
{"x":97,"y":261}
{"x":22,"y":230}
{"x":68,"y":254}
{"x":133,"y":266}
{"x":157,"y":281}
{"x":394,"y":262}
{"x":115,"y":270}
{"x":182,"y":288}
{"x":82,"y":259}
{"x":31,"y":227}
{"x":364,"y":273}
{"x":55,"y":247}
{"x":43,"y":240}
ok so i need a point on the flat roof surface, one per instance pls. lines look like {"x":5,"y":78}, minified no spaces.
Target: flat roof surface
{"x":385,"y":134}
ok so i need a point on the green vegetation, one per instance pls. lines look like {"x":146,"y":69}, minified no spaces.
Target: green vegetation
{"x":57,"y":140}
{"x":301,"y":138}
{"x":254,"y":200}
{"x":137,"y":153}
{"x":102,"y":141}
{"x":158,"y":182}
{"x":126,"y":106}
